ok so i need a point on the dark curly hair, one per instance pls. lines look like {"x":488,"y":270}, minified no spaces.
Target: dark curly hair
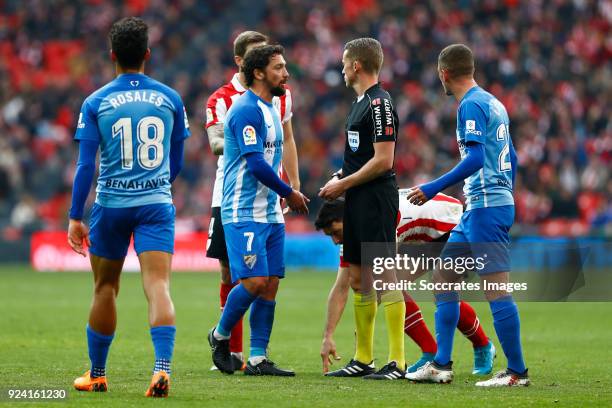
{"x":129,"y":38}
{"x":259,"y":58}
{"x":330,"y":212}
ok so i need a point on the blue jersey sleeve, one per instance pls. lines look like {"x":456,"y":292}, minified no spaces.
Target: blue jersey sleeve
{"x":86,"y":167}
{"x":87,"y":127}
{"x":474,"y":120}
{"x":180,"y":130}
{"x":249,"y":128}
{"x":473,"y":161}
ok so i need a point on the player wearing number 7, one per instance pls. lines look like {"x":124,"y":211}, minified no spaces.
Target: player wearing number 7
{"x":139,"y":125}
{"x":488,"y":166}
{"x":250,"y":210}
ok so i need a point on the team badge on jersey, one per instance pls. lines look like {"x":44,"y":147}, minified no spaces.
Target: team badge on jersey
{"x":250,"y":260}
{"x":353,"y":140}
{"x":248,"y":134}
{"x":470,"y":127}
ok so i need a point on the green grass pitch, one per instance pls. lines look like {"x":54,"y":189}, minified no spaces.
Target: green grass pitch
{"x":43,"y":345}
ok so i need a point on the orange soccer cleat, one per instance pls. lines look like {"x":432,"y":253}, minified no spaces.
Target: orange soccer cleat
{"x":160,"y":384}
{"x":86,"y":383}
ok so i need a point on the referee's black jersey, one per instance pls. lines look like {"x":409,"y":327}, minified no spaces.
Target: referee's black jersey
{"x":372,"y":119}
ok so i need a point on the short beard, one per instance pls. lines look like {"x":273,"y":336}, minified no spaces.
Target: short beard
{"x":277,"y":90}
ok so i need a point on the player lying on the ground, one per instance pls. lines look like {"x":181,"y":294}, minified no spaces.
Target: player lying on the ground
{"x":140,"y":126}
{"x":488,"y":167}
{"x":217,"y":107}
{"x":429,"y":223}
{"x":251,"y":213}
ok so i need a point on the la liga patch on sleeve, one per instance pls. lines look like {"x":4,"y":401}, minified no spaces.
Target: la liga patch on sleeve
{"x":248,"y":134}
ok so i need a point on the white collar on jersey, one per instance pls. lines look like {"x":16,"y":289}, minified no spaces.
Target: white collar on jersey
{"x":236,"y":83}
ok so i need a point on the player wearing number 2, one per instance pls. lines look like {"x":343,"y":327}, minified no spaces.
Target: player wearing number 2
{"x":139,"y":125}
{"x":488,"y":166}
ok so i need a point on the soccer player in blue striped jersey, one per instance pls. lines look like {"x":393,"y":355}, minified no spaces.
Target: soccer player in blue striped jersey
{"x":250,"y":210}
{"x":488,"y":166}
{"x":139,"y":125}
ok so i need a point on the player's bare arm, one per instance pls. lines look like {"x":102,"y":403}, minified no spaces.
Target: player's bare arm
{"x":290,"y":157}
{"x":298,"y":202}
{"x":336,"y":302}
{"x":379,"y":164}
{"x":215,"y":138}
{"x":416,"y":196}
{"x":78,"y":233}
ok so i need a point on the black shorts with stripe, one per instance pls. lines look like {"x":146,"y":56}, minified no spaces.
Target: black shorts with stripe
{"x":215,"y":246}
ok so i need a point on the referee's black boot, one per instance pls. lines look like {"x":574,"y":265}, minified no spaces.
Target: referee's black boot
{"x":389,"y":372}
{"x":354,"y":368}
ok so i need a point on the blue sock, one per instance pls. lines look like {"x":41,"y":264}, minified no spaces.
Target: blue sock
{"x":163,"y":344}
{"x":238,"y":301}
{"x":98,"y":345}
{"x":508,"y":329}
{"x":261,"y":320}
{"x":446,"y":317}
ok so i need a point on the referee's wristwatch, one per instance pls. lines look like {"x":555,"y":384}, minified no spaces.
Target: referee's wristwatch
{"x":337,"y":174}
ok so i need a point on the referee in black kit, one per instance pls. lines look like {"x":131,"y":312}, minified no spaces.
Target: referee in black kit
{"x":372,"y":204}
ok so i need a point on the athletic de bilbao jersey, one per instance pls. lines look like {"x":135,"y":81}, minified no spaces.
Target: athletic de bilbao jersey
{"x":216,"y":110}
{"x":135,"y":119}
{"x":252,"y":125}
{"x":429,"y":221}
{"x":424,"y":223}
{"x":481,"y":118}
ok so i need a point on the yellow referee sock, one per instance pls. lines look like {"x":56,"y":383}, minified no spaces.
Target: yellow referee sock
{"x":365,"y":314}
{"x":395,"y":313}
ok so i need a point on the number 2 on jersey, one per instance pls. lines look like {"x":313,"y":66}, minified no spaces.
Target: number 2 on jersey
{"x":123,"y":128}
{"x":502,"y":135}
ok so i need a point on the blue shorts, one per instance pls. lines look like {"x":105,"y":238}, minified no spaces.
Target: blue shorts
{"x":483,"y":233}
{"x":255,"y":249}
{"x":110,"y":229}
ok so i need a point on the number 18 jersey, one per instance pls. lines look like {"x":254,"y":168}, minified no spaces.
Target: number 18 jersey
{"x":135,"y":119}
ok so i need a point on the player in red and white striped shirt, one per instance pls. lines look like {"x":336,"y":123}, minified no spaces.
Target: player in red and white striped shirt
{"x":431,"y":222}
{"x":216,"y":109}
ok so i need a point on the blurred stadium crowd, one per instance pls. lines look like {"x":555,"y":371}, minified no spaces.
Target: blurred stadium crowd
{"x":547,"y":61}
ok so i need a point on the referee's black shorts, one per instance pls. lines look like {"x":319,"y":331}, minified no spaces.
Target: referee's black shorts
{"x":370,"y":215}
{"x":215,"y":246}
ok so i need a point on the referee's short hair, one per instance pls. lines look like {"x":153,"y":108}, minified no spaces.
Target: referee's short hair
{"x":457,"y":59}
{"x":367,"y":51}
{"x":246,"y":38}
{"x":259,"y":58}
{"x":129,"y":38}
{"x":330,"y":212}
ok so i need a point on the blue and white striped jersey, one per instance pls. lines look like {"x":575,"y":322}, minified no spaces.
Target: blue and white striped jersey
{"x":251,"y":125}
{"x":134,"y":118}
{"x":481,"y":118}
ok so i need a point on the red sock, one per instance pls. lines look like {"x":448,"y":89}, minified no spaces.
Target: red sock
{"x":236,"y":334}
{"x":415,"y":327}
{"x":470,"y":326}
